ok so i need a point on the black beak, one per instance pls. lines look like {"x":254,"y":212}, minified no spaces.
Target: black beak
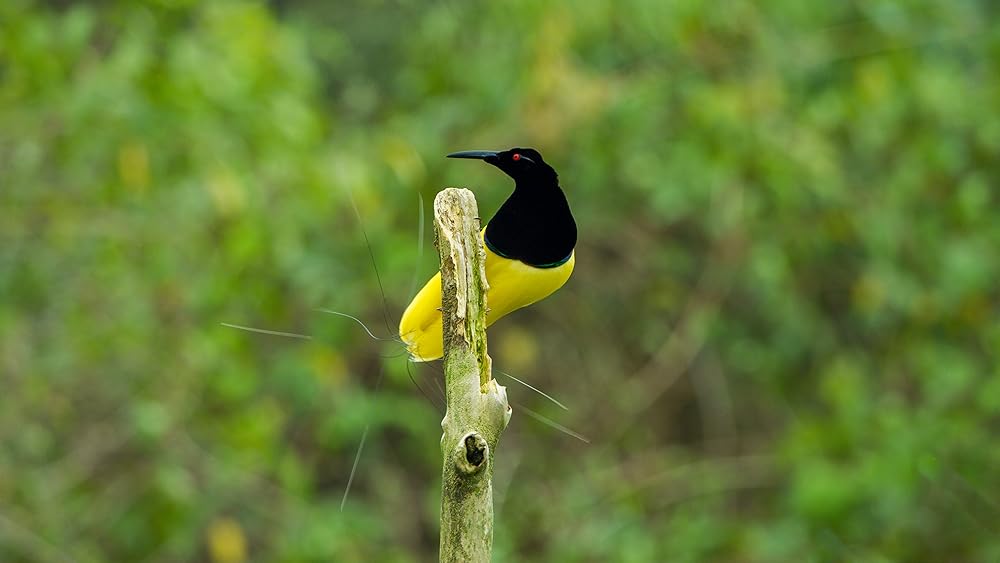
{"x":488,"y":156}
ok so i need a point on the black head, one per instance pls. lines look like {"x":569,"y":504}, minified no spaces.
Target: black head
{"x":518,"y":163}
{"x":534,"y":225}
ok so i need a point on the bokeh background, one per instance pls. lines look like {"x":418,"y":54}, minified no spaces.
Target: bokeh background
{"x":781,"y":339}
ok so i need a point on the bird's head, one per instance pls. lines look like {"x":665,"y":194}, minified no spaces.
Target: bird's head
{"x":518,"y":163}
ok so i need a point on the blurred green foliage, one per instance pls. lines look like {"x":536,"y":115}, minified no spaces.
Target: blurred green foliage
{"x":781,"y":337}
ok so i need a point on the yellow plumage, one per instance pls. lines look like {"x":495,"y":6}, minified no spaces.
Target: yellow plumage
{"x":513,"y":284}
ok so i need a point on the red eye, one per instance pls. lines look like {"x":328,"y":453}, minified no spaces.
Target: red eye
{"x":516,"y":157}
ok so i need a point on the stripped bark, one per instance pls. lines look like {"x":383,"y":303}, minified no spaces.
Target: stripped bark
{"x":477,"y":408}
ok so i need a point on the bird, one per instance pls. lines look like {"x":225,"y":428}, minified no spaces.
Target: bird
{"x":530,"y":250}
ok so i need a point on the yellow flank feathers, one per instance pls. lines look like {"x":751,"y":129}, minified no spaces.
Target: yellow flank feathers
{"x":513,"y":284}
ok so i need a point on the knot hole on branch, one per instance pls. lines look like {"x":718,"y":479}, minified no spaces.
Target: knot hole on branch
{"x":475,"y":450}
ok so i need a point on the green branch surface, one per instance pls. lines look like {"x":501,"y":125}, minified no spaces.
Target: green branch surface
{"x":477,"y":408}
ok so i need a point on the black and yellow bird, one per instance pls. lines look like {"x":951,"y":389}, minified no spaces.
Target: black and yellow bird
{"x":529,"y":250}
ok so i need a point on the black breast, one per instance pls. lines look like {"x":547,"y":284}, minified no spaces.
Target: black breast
{"x":534,"y":225}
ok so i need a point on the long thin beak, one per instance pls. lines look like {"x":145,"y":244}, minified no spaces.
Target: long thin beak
{"x":480,"y":155}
